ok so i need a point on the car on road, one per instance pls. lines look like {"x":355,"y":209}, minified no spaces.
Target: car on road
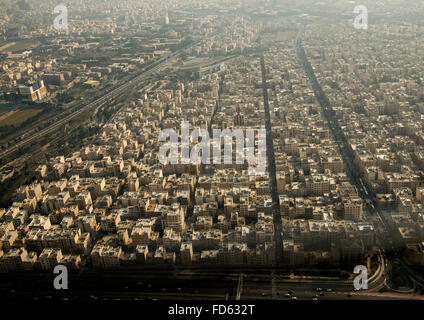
{"x":294,"y":298}
{"x":314,"y":298}
{"x":318,"y":289}
{"x":329,"y":290}
{"x":287,"y":295}
{"x":321,"y":293}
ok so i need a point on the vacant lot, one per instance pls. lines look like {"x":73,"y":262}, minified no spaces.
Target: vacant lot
{"x":6,"y":114}
{"x":17,"y":118}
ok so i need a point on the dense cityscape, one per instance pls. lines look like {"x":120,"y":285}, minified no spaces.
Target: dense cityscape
{"x":84,"y":111}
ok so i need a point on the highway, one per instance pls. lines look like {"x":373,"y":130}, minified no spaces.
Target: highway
{"x":41,"y":123}
{"x":97,"y":103}
{"x":183,"y":284}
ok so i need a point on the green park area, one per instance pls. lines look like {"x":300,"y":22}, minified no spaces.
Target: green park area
{"x":19,"y":117}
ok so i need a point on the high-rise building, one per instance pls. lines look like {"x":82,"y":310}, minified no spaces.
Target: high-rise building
{"x":34,"y":92}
